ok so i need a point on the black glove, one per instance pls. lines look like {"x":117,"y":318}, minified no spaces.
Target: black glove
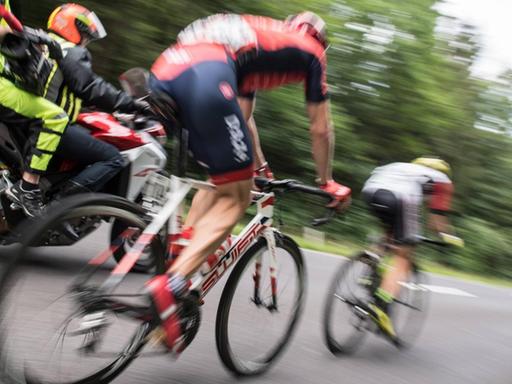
{"x":38,"y":36}
{"x":143,"y":107}
{"x":55,"y":50}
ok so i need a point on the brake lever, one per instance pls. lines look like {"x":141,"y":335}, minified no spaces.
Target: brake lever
{"x":324,"y":220}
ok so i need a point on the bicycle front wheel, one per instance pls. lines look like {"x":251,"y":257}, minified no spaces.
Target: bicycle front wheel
{"x":260,"y":307}
{"x":58,"y":325}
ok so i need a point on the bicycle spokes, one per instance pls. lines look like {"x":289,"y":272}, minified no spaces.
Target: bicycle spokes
{"x":103,"y":257}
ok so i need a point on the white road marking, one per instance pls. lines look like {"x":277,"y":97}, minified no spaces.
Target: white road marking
{"x":437,"y":289}
{"x":447,"y":290}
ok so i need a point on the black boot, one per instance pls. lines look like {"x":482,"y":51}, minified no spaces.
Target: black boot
{"x":30,"y":201}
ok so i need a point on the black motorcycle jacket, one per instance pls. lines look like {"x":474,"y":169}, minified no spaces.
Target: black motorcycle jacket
{"x":74,"y":82}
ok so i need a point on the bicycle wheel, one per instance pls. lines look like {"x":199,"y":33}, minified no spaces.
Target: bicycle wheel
{"x":146,"y":263}
{"x":344,"y":325}
{"x":56,"y":326}
{"x":245,"y":349}
{"x":409,"y":310}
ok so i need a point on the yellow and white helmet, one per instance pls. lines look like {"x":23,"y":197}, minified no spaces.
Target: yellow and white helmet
{"x":434,"y":163}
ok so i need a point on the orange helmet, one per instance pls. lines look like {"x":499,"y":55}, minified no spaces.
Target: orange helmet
{"x":74,"y":23}
{"x":314,"y":24}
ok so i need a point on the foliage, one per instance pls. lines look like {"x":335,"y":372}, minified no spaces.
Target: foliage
{"x":400,"y":87}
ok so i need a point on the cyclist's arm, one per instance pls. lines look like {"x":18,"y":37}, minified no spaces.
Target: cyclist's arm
{"x":322,"y":138}
{"x":440,"y":206}
{"x":439,"y":223}
{"x":318,"y":107}
{"x":247,"y":106}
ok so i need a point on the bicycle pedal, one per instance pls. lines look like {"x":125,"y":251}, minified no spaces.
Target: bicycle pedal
{"x":68,"y":231}
{"x":91,"y":322}
{"x":361,"y":312}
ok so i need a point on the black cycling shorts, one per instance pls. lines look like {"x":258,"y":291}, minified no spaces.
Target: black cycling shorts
{"x":392,"y":212}
{"x":206,"y":95}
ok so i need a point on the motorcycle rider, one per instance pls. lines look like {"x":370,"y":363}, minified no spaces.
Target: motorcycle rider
{"x":74,"y":83}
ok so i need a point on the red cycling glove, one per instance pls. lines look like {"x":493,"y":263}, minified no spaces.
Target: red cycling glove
{"x":340,"y":192}
{"x":264,"y":171}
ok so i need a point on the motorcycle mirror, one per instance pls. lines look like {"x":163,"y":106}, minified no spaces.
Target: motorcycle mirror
{"x":135,"y":82}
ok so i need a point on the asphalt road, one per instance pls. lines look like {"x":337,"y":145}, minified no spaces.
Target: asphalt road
{"x":467,"y":339}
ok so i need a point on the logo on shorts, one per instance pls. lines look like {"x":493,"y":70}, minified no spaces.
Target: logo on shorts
{"x":226,"y":90}
{"x":237,"y":138}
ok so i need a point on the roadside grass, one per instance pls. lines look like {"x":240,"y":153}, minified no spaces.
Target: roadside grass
{"x":347,"y":249}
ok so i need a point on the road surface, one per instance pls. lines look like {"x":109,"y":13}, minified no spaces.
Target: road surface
{"x":467,"y":339}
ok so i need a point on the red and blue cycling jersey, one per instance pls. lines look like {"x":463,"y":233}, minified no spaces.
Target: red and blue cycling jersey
{"x":268,"y":52}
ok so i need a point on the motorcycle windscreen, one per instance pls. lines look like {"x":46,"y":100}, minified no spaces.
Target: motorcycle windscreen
{"x":135,"y":82}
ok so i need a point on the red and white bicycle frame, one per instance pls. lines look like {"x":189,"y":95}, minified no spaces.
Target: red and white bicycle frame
{"x":170,"y":214}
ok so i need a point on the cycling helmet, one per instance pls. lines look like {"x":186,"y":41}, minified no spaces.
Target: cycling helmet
{"x":434,"y":163}
{"x":76,"y":23}
{"x":313,"y":24}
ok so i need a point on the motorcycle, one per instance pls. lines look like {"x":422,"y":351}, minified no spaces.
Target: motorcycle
{"x":141,"y":142}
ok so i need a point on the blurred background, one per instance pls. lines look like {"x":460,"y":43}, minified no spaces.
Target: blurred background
{"x":407,"y":78}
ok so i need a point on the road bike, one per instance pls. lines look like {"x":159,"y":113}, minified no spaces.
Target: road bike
{"x":346,"y":317}
{"x":90,"y":318}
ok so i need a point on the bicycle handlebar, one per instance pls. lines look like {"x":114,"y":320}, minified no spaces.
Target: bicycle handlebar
{"x":290,"y":185}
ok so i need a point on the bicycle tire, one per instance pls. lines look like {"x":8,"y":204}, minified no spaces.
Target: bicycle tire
{"x":144,"y":265}
{"x":413,"y":299}
{"x":96,"y":204}
{"x":224,"y":344}
{"x":348,"y":344}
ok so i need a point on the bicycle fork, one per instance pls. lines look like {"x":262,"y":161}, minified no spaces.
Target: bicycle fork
{"x":269,"y":235}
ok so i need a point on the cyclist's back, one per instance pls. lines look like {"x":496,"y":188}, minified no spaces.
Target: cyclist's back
{"x":397,"y":176}
{"x":268,"y":52}
{"x":396,"y":192}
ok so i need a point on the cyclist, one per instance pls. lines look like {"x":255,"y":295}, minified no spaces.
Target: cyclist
{"x":270,"y":53}
{"x":395,"y":193}
{"x":200,"y":81}
{"x":45,"y":122}
{"x":74,"y":83}
{"x":203,"y":76}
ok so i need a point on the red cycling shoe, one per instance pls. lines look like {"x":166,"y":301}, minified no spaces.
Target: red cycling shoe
{"x":167,"y":308}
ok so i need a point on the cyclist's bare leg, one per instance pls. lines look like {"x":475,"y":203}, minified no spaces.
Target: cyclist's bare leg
{"x":201,"y":203}
{"x":399,"y":271}
{"x":227,"y":207}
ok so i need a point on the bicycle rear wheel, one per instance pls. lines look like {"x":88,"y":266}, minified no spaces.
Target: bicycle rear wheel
{"x":54,"y":328}
{"x":409,"y":310}
{"x":344,"y":325}
{"x":250,"y":350}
